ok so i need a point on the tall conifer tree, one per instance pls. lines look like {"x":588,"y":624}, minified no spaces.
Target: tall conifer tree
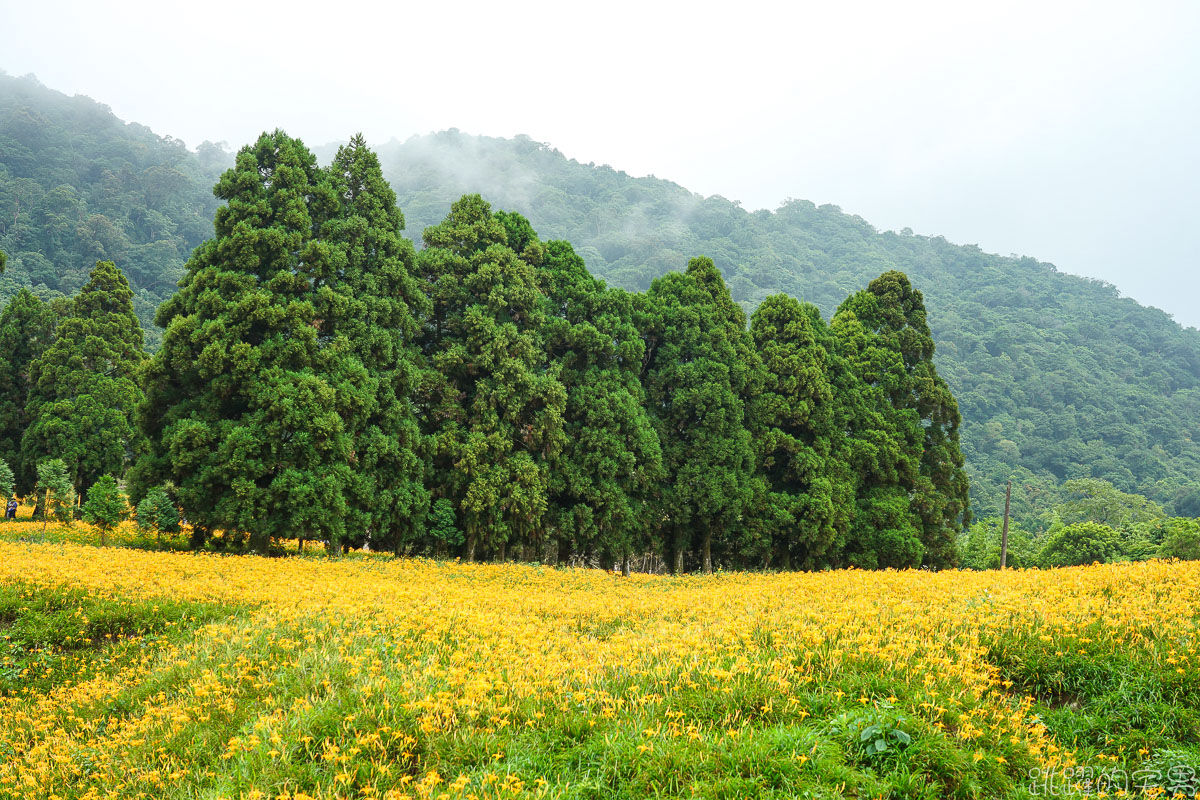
{"x":612,"y":461}
{"x":373,"y":301}
{"x":884,"y":446}
{"x":885,"y":327}
{"x":26,"y":330}
{"x":246,"y":398}
{"x":700,"y":369}
{"x":494,"y":404}
{"x":83,"y":388}
{"x":797,"y":436}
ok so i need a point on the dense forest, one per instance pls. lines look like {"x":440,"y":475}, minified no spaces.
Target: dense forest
{"x":1057,"y":377}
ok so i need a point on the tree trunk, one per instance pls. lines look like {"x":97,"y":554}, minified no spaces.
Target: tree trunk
{"x":677,"y":561}
{"x":470,"y":548}
{"x":502,"y":553}
{"x":708,"y":551}
{"x":625,"y":565}
{"x":785,"y":557}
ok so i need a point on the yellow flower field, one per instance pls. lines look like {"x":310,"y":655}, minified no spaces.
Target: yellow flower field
{"x":381,"y":677}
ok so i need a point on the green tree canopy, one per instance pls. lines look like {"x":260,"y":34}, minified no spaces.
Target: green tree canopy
{"x":56,"y":495}
{"x":1181,"y":539}
{"x":797,"y":437}
{"x":603,"y":479}
{"x":1080,"y":543}
{"x":372,"y":301}
{"x":887,"y":320}
{"x":8,"y":482}
{"x":26,"y":330}
{"x":700,"y":369}
{"x":980,"y":546}
{"x":157,"y":513}
{"x":84,"y":388}
{"x":1094,"y":500}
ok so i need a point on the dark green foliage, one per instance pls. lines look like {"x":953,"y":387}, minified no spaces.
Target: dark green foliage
{"x":26,"y":330}
{"x":908,"y":436}
{"x":369,"y":304}
{"x":105,"y":506}
{"x":494,"y":405}
{"x":700,"y":370}
{"x":442,"y":527}
{"x":1078,"y":544}
{"x":247,"y":401}
{"x":1181,"y":539}
{"x":611,"y":462}
{"x":84,"y":388}
{"x":1057,"y":376}
{"x":157,"y":513}
{"x":883,"y":447}
{"x":798,"y":439}
{"x":56,"y":495}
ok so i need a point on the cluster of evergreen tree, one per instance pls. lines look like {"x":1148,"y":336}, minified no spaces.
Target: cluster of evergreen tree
{"x":487,"y":397}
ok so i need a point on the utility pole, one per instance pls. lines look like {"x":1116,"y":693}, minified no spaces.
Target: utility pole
{"x":1004,"y":533}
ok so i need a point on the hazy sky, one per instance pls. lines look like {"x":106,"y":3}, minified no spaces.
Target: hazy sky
{"x":1064,"y":130}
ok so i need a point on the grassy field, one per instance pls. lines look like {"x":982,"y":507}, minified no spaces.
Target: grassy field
{"x":126,"y":672}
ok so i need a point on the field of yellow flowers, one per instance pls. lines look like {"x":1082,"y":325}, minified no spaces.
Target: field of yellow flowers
{"x":127,"y":672}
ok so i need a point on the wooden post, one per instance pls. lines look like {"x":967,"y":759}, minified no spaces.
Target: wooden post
{"x":1004,"y":533}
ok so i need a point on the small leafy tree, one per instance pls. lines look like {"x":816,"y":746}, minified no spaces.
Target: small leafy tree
{"x":157,"y":513}
{"x":106,"y":506}
{"x":1182,"y":539}
{"x":1081,"y":543}
{"x":55,"y":492}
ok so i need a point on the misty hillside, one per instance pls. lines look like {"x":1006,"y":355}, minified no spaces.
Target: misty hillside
{"x":78,"y":185}
{"x":1056,"y":375}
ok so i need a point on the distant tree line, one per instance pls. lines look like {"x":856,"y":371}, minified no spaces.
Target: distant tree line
{"x":1094,"y":522}
{"x":487,"y":397}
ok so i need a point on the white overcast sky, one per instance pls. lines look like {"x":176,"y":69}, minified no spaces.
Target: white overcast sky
{"x":1064,"y":130}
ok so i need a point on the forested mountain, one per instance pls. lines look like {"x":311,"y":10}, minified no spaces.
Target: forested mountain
{"x":1056,"y":376}
{"x":78,"y":185}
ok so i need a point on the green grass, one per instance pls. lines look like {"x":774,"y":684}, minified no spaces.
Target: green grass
{"x":53,"y":636}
